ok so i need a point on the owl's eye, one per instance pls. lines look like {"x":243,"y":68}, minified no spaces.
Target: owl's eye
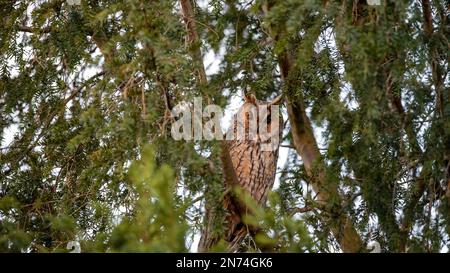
{"x":269,"y":116}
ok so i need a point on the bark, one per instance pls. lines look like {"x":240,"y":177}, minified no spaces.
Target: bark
{"x":193,"y":39}
{"x":436,"y":69}
{"x":306,"y":146}
{"x":210,"y":236}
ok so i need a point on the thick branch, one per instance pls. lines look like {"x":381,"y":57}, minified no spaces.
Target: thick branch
{"x":193,"y":39}
{"x":306,"y":146}
{"x":230,"y":177}
{"x":28,"y":29}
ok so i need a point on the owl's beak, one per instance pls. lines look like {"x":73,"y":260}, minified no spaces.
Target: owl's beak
{"x":277,"y":100}
{"x":250,"y":98}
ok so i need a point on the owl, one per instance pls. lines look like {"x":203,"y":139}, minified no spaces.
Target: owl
{"x":251,"y":146}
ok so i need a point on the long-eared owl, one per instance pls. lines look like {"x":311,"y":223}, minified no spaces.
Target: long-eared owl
{"x":252,"y":142}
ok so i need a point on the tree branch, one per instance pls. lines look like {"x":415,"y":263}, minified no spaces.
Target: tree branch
{"x":28,"y":29}
{"x":230,"y":177}
{"x":193,"y":40}
{"x":306,"y":146}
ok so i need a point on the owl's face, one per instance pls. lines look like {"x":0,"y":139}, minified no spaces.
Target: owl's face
{"x":259,"y":121}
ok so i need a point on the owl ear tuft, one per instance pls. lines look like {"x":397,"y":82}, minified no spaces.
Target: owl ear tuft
{"x":250,"y":98}
{"x":276,"y":101}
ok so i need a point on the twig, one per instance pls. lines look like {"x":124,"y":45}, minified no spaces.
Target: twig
{"x":300,"y":210}
{"x":31,"y":30}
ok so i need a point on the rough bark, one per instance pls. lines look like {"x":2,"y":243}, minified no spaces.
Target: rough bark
{"x":306,"y":146}
{"x":210,"y":236}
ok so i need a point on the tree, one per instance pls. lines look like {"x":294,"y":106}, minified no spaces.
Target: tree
{"x":86,"y":88}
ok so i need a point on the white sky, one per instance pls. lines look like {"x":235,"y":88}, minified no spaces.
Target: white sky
{"x":212,"y":64}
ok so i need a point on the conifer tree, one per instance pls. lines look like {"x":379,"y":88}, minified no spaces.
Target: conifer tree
{"x":87,"y":89}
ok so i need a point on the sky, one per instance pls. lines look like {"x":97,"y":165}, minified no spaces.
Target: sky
{"x":212,"y":62}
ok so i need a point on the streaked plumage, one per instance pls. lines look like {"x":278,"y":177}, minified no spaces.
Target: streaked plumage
{"x":255,"y":170}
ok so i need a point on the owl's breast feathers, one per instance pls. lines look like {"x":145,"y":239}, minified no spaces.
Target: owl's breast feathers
{"x":251,"y":166}
{"x":255,"y":173}
{"x":255,"y":168}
